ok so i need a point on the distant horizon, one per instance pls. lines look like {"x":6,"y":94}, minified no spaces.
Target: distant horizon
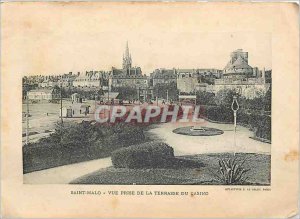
{"x":108,"y":70}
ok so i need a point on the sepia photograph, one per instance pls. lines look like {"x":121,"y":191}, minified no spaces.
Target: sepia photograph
{"x":201,"y":118}
{"x":149,"y":109}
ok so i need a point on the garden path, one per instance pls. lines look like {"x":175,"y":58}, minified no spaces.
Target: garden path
{"x":65,"y":174}
{"x":187,"y":145}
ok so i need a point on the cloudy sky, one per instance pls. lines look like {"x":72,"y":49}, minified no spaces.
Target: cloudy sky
{"x":58,"y":39}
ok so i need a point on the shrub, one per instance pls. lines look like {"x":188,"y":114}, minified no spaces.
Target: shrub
{"x":224,"y":97}
{"x":146,"y":155}
{"x":243,"y":117}
{"x":219,"y":113}
{"x":37,"y":157}
{"x":205,"y":98}
{"x":126,"y":93}
{"x":261,"y":125}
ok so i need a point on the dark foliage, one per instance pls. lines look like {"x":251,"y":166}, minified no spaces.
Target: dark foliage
{"x":218,"y":113}
{"x":74,"y":142}
{"x":160,"y":91}
{"x":146,"y":155}
{"x":86,"y":93}
{"x":126,"y":93}
{"x":205,"y":98}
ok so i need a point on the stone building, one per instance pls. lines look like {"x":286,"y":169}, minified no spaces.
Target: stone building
{"x":48,"y":83}
{"x":248,"y":87}
{"x":96,"y":79}
{"x":209,"y":72}
{"x":239,"y":76}
{"x":76,"y":110}
{"x":133,"y":81}
{"x":65,"y":80}
{"x":163,"y":76}
{"x":192,"y":80}
{"x":238,"y":67}
{"x":43,"y":94}
{"x":187,"y":81}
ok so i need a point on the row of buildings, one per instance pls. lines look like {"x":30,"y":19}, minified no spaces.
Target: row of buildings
{"x":237,"y":75}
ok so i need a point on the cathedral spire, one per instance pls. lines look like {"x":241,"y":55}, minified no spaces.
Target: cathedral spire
{"x":127,"y":50}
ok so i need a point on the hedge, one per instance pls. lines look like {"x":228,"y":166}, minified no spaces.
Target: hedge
{"x":146,"y":155}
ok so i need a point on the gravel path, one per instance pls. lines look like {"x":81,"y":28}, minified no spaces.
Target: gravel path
{"x":188,"y":145}
{"x":65,"y":174}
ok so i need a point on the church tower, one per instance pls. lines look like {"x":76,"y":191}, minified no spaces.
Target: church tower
{"x":127,"y":62}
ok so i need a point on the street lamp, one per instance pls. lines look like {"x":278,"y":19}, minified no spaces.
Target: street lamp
{"x":27,"y":118}
{"x":139,"y":95}
{"x":234,"y":106}
{"x":167,"y":96}
{"x":157,"y":97}
{"x":61,"y":115}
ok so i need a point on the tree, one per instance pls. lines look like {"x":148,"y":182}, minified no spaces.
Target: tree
{"x":126,"y":93}
{"x":77,"y":137}
{"x":224,"y":97}
{"x":56,"y":90}
{"x":207,"y":79}
{"x":268,"y":99}
{"x":160,"y":91}
{"x":205,"y":98}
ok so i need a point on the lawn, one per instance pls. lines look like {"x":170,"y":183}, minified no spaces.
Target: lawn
{"x":195,"y":170}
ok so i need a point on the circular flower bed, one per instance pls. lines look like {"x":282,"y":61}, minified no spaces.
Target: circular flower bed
{"x":198,"y":131}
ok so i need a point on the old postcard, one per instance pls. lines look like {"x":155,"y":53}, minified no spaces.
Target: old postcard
{"x":149,"y":110}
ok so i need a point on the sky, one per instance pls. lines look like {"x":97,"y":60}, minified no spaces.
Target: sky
{"x":56,"y":40}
